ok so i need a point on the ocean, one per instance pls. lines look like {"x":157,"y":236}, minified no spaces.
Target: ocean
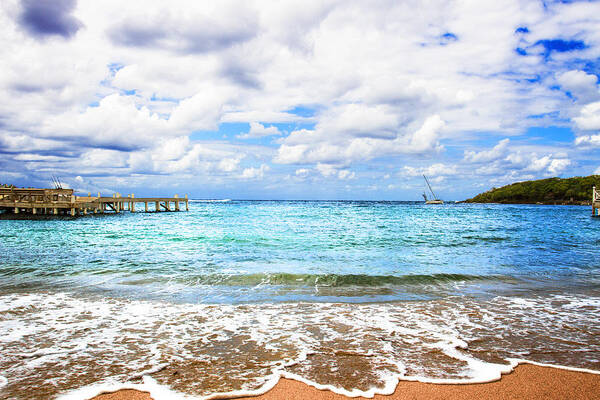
{"x":346,"y":295}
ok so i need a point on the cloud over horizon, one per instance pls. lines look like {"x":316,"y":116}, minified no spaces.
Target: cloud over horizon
{"x":287,"y":100}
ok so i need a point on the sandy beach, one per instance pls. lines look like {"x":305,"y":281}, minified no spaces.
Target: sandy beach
{"x":525,"y":382}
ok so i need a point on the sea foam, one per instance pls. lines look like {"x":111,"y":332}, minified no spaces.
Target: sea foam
{"x":79,"y":346}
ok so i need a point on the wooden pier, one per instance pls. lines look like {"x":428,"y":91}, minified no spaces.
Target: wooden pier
{"x":64,"y":202}
{"x":595,"y":202}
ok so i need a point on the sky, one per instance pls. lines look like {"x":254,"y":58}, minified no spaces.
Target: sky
{"x":297,"y":99}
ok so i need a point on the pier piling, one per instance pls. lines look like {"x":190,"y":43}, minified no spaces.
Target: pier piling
{"x":595,"y":202}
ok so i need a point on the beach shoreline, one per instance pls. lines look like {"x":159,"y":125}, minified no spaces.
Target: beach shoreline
{"x":527,"y":381}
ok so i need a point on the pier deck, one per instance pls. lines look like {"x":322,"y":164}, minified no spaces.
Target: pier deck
{"x":64,"y":201}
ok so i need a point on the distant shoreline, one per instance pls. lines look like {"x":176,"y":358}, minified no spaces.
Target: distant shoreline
{"x":551,"y":191}
{"x":554,"y":203}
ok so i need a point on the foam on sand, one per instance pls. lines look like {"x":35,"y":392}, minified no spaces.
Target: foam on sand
{"x":159,"y":392}
{"x":84,"y":345}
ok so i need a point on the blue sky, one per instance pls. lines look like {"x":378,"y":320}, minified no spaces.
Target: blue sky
{"x":298,"y":100}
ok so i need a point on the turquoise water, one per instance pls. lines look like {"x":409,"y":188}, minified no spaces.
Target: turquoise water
{"x":325,"y":266}
{"x":221,"y":251}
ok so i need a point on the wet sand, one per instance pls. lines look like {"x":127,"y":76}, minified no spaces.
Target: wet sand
{"x":526,"y":382}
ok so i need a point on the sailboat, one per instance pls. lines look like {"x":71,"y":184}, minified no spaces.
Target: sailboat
{"x":435,"y":200}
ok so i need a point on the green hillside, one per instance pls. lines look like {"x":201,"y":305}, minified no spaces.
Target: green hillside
{"x":577,"y":190}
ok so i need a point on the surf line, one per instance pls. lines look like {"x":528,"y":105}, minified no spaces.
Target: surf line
{"x":162,"y":392}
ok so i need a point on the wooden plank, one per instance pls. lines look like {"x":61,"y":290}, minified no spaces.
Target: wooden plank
{"x":36,"y":205}
{"x":128,"y":199}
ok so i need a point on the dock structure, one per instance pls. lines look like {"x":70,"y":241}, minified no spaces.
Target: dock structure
{"x":65,"y":202}
{"x":595,"y":202}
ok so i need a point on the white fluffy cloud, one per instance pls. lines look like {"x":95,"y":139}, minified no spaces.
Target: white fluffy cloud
{"x":504,"y":160}
{"x":547,"y":163}
{"x":495,"y":153}
{"x":258,"y":130}
{"x":359,"y":120}
{"x":255,"y":173}
{"x":589,"y":117}
{"x":434,"y":170}
{"x":580,"y":84}
{"x":328,"y":170}
{"x":186,"y":27}
{"x":350,"y":145}
{"x":588,"y":140}
{"x":116,"y":121}
{"x":119,"y":121}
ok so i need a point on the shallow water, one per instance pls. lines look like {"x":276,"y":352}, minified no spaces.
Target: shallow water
{"x":349,"y":294}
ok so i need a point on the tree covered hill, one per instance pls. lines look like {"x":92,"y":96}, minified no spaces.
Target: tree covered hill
{"x":577,"y":190}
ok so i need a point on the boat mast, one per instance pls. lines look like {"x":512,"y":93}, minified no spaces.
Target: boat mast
{"x":434,"y":196}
